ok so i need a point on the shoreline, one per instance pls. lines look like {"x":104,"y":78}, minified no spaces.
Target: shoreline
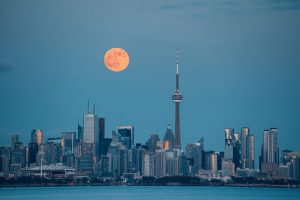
{"x":238,"y":185}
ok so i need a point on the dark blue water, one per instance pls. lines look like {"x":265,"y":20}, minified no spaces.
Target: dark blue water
{"x":145,"y":193}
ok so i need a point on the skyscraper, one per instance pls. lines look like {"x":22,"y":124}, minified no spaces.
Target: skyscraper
{"x":160,"y":163}
{"x":14,"y":140}
{"x":148,"y":164}
{"x":37,"y":136}
{"x":250,"y":151}
{"x":126,"y":135}
{"x":152,"y":142}
{"x":169,"y":138}
{"x":270,"y":152}
{"x":247,"y":149}
{"x":194,"y":154}
{"x":101,"y":128}
{"x":228,"y":149}
{"x":101,"y":134}
{"x":68,"y":142}
{"x":237,"y":150}
{"x":177,"y":98}
{"x":91,"y":130}
{"x":244,"y":134}
{"x":80,"y":133}
{"x":33,"y":149}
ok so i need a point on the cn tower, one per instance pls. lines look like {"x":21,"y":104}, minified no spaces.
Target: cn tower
{"x":177,"y":98}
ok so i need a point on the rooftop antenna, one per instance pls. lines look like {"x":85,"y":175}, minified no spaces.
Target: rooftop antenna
{"x":88,"y":106}
{"x":94,"y":109}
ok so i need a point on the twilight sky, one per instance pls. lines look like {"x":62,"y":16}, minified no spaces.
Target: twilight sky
{"x":239,"y":65}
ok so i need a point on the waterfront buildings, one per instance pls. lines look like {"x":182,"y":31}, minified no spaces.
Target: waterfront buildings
{"x":119,"y":156}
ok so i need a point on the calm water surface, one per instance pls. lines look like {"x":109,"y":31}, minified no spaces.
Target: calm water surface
{"x":145,"y":193}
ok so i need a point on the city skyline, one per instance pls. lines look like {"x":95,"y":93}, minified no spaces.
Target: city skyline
{"x":119,"y":157}
{"x":93,"y":132}
{"x":239,"y":67}
{"x":90,"y":126}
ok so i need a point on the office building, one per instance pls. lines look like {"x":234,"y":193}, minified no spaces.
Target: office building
{"x":194,"y":155}
{"x":85,"y":158}
{"x":237,"y":151}
{"x":168,"y":139}
{"x":91,"y":130}
{"x":148,"y":164}
{"x":32,"y":153}
{"x":104,"y":144}
{"x":68,"y":142}
{"x":14,"y":140}
{"x":211,"y":162}
{"x":37,"y":136}
{"x":5,"y":155}
{"x":229,"y":144}
{"x":250,"y":152}
{"x":53,"y":151}
{"x":160,"y":163}
{"x":80,"y":133}
{"x":152,"y":142}
{"x":126,"y":134}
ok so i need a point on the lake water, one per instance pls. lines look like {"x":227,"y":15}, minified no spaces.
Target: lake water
{"x":145,"y":193}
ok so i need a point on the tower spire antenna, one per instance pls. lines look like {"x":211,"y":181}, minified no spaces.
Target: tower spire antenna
{"x":177,"y":98}
{"x":177,"y":61}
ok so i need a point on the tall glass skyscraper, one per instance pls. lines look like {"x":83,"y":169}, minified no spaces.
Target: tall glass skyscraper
{"x":127,"y":135}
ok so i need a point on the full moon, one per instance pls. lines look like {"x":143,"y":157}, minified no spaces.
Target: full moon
{"x":116,"y":59}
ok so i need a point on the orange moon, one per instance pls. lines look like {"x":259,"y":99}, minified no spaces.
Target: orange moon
{"x":116,"y":59}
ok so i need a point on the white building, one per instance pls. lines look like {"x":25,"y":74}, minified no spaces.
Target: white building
{"x":91,"y":130}
{"x":148,"y":165}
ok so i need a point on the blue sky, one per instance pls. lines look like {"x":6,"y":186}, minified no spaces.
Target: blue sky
{"x":239,"y":65}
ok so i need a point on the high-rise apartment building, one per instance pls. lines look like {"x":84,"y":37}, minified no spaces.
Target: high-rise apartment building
{"x":247,"y":149}
{"x":270,"y":152}
{"x":250,"y":151}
